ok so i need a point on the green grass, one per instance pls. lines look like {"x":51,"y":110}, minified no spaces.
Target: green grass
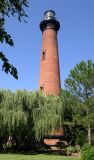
{"x":34,"y":157}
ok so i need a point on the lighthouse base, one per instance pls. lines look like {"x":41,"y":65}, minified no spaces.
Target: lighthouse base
{"x":55,"y":142}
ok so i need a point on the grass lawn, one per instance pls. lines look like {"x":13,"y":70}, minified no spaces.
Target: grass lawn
{"x":34,"y":157}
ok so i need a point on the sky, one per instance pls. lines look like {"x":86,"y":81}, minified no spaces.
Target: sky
{"x":75,"y":41}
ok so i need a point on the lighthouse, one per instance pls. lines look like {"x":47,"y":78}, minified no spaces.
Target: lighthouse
{"x":49,"y":80}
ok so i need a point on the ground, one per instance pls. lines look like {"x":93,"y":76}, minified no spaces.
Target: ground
{"x":34,"y":157}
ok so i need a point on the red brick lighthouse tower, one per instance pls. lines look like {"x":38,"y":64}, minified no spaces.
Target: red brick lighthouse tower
{"x":49,"y":81}
{"x":49,"y":66}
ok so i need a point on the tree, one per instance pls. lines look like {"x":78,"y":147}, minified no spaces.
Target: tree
{"x":46,"y":115}
{"x":80,"y":85}
{"x":8,"y":8}
{"x":27,"y":117}
{"x":13,"y":118}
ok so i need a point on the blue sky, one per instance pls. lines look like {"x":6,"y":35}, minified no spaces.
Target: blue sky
{"x":75,"y":40}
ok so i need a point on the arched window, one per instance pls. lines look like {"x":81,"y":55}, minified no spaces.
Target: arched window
{"x":43,"y":55}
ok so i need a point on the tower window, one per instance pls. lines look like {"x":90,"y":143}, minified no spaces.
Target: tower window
{"x":43,"y":55}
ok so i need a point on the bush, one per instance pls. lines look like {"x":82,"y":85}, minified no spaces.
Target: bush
{"x":69,"y":150}
{"x":87,"y":152}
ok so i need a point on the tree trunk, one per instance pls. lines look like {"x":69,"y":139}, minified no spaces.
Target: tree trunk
{"x":89,"y":134}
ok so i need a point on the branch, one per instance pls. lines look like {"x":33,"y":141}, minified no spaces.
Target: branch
{"x":7,"y":67}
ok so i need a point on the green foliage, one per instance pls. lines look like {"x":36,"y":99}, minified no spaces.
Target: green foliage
{"x":8,"y":8}
{"x":81,"y":80}
{"x":80,"y":135}
{"x":15,"y":116}
{"x":7,"y":67}
{"x":47,"y":115}
{"x":70,"y":150}
{"x":80,"y":86}
{"x":87,"y":152}
{"x":28,"y":116}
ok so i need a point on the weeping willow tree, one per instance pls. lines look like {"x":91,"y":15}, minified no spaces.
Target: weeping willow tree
{"x":24,"y":131}
{"x":16,"y":116}
{"x":28,"y":116}
{"x":12,"y":117}
{"x":47,"y":115}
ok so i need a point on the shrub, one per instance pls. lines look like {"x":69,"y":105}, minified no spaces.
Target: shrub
{"x":69,"y":150}
{"x":87,"y":152}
